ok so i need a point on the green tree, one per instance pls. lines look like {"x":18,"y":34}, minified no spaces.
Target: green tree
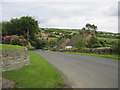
{"x":80,"y":44}
{"x":93,"y":42}
{"x":26,"y":26}
{"x":51,"y":43}
{"x":116,"y":47}
{"x":7,"y":28}
{"x":38,"y":43}
{"x":91,"y":28}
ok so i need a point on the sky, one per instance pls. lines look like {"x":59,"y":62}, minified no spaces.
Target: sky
{"x":68,"y":14}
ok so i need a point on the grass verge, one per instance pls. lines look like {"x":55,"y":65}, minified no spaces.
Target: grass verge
{"x":8,"y":46}
{"x":112,"y":56}
{"x":39,"y":74}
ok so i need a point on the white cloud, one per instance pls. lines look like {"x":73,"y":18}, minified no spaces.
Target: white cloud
{"x":59,"y":0}
{"x":66,"y":15}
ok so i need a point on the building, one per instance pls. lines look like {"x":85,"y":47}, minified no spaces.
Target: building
{"x":44,"y":36}
{"x":51,"y":38}
{"x":62,"y":43}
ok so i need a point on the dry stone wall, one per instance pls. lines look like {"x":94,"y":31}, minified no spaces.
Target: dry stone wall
{"x":14,"y":59}
{"x":93,"y":50}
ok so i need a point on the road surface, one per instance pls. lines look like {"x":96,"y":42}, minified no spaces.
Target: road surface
{"x":84,"y":71}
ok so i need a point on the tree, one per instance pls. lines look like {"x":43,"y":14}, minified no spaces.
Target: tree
{"x":116,"y":47}
{"x":83,"y":30}
{"x":38,"y":43}
{"x":68,"y":36}
{"x":6,"y":28}
{"x":91,"y":28}
{"x":51,"y":43}
{"x":93,"y":42}
{"x":26,"y":26}
{"x":88,"y":26}
{"x":80,"y":44}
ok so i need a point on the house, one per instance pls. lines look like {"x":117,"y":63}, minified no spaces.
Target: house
{"x":51,"y":38}
{"x":66,"y":43}
{"x":44,"y":36}
{"x":62,"y":43}
{"x":53,"y":32}
{"x":72,"y":41}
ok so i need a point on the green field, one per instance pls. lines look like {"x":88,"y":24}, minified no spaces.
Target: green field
{"x":109,"y":40}
{"x":8,"y":46}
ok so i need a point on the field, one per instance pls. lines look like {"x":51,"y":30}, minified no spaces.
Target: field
{"x":109,"y":40}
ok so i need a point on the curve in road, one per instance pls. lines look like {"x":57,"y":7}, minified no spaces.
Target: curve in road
{"x":85,"y":71}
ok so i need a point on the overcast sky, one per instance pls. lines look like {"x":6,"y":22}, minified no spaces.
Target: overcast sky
{"x":65,"y":13}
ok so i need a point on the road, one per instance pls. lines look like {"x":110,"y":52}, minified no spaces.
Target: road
{"x":84,"y":71}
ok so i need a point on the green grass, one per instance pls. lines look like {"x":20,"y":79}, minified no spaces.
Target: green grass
{"x":108,"y":40}
{"x":8,"y":46}
{"x":91,"y":54}
{"x":39,"y":74}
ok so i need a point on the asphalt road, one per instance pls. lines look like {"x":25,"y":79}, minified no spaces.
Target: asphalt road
{"x":85,"y":71}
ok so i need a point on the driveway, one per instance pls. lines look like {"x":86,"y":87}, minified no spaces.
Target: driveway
{"x":84,"y":71}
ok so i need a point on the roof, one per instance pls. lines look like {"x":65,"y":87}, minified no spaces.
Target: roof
{"x":51,"y":38}
{"x":37,"y":35}
{"x":73,"y":40}
{"x":44,"y":35}
{"x":63,"y":40}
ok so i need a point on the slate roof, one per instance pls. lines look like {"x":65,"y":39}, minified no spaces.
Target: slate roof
{"x":62,"y":41}
{"x":74,"y":39}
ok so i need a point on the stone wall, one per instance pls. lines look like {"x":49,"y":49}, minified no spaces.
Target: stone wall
{"x":14,"y":59}
{"x":92,"y":50}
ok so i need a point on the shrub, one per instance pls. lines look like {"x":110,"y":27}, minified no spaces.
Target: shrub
{"x":15,"y":40}
{"x":102,"y":43}
{"x":116,"y":47}
{"x":6,"y":39}
{"x":80,"y":44}
{"x":33,"y":43}
{"x":51,"y":43}
{"x":39,"y":44}
{"x":93,"y":42}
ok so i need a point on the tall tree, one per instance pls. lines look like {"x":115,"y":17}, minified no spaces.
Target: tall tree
{"x":91,"y":28}
{"x":26,"y":26}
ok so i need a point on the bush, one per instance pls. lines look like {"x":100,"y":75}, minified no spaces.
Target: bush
{"x":39,"y":44}
{"x":93,"y":42}
{"x":116,"y":47}
{"x":80,"y":44}
{"x":6,"y":39}
{"x":33,"y":43}
{"x":15,"y":40}
{"x":102,"y":43}
{"x":51,"y":43}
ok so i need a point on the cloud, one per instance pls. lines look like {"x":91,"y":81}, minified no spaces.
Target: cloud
{"x":60,"y":1}
{"x":67,"y":14}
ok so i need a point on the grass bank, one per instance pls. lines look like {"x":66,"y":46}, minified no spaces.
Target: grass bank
{"x":8,"y":46}
{"x":39,"y":74}
{"x":114,"y":56}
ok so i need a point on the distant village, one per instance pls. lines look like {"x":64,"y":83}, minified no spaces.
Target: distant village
{"x":67,"y":41}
